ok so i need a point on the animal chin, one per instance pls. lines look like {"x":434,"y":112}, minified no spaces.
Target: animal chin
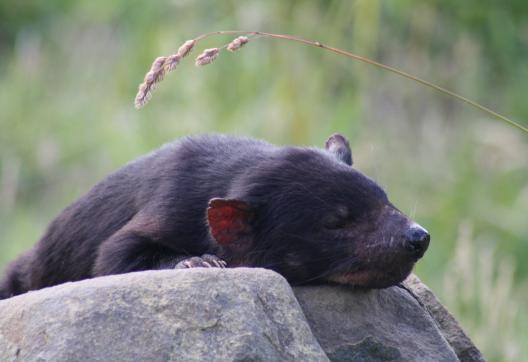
{"x":375,"y":279}
{"x":357,"y":278}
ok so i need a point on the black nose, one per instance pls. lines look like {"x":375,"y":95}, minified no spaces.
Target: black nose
{"x":417,"y":240}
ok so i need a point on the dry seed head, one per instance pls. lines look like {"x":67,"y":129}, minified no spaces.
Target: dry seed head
{"x":172,"y":61}
{"x":186,"y":48}
{"x":158,"y":63}
{"x":207,"y":56}
{"x":237,"y":43}
{"x":154,"y":75}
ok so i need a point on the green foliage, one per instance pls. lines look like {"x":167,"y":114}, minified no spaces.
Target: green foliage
{"x":479,"y":285}
{"x":69,"y":73}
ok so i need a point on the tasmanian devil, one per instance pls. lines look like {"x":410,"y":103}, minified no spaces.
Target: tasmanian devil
{"x":217,"y":201}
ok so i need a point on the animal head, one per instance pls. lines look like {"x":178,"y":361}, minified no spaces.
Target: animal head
{"x":308,"y":214}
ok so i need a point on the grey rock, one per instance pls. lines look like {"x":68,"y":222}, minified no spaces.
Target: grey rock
{"x":451,"y":330}
{"x":177,"y":315}
{"x":372,"y":325}
{"x":227,"y":315}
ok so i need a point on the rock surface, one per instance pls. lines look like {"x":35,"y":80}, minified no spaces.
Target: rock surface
{"x":176,"y":315}
{"x":219,"y":315}
{"x":372,"y":325}
{"x":451,"y":330}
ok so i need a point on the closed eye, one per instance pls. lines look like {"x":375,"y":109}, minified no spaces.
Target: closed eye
{"x":335,"y":223}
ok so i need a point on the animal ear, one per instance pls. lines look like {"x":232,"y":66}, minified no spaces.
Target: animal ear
{"x":338,"y":146}
{"x":230,"y":221}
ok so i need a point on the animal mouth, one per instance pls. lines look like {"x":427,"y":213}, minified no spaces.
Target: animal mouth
{"x":373,"y":278}
{"x":358,"y":278}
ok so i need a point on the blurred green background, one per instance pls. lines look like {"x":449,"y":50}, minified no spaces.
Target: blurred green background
{"x":69,"y":72}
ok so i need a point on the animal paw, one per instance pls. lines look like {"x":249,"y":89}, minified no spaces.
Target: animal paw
{"x":204,"y":261}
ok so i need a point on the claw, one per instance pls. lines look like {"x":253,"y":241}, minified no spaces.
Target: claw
{"x":205,"y":261}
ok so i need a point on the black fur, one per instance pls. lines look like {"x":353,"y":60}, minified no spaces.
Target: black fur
{"x":315,"y":218}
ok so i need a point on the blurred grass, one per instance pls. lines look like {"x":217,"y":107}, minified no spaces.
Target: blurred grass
{"x":69,"y":72}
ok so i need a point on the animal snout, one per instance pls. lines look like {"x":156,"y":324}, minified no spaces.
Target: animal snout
{"x":417,"y":240}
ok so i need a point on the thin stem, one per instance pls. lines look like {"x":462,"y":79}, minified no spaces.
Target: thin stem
{"x":371,"y":62}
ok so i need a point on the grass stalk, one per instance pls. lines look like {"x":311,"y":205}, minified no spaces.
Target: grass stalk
{"x":141,"y":99}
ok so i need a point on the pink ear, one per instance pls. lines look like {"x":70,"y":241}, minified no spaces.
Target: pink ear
{"x":229,"y":220}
